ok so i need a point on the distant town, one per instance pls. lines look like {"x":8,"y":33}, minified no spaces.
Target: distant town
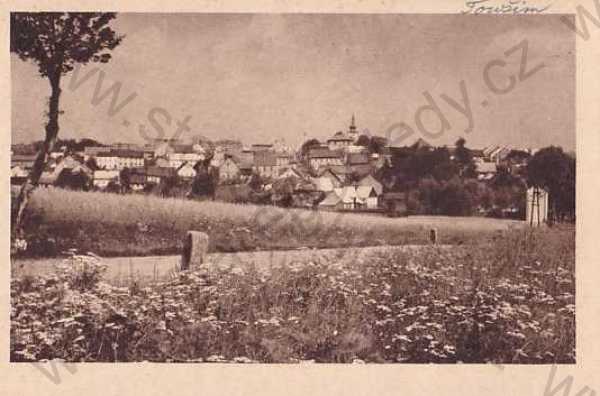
{"x":347,"y":172}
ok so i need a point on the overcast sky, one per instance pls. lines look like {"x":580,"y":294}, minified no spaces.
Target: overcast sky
{"x":260,"y":77}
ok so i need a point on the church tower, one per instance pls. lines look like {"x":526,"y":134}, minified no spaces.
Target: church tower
{"x":352,"y":132}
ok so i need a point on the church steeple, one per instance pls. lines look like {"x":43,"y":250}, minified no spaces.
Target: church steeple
{"x":352,"y":132}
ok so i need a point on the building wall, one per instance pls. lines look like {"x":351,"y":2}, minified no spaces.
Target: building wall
{"x":338,"y":144}
{"x":119,"y":162}
{"x":228,"y":170}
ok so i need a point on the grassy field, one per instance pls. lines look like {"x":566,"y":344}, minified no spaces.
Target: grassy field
{"x":131,"y":225}
{"x":511,"y":300}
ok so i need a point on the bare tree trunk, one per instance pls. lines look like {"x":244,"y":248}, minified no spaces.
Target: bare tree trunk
{"x":42,"y":156}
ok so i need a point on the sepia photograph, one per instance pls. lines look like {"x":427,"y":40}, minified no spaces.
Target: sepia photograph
{"x":293,"y":188}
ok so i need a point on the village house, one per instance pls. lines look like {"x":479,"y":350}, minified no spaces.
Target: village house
{"x":182,"y":153}
{"x":261,"y":147}
{"x":152,"y":174}
{"x":229,"y":169}
{"x":137,"y":181}
{"x":18,"y":175}
{"x":265,"y":164}
{"x":332,"y":201}
{"x":119,"y":159}
{"x":319,"y":157}
{"x":343,"y":141}
{"x":351,"y":198}
{"x":283,"y":160}
{"x":339,"y":141}
{"x":305,"y":194}
{"x":63,"y":170}
{"x":496,"y":154}
{"x":288,"y":171}
{"x":24,"y":161}
{"x":370,"y":181}
{"x":327,"y":180}
{"x":485,"y":170}
{"x":102,"y":178}
{"x":367,"y":197}
{"x":186,"y":171}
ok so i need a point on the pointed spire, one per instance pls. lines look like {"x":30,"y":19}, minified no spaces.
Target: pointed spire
{"x":352,"y":124}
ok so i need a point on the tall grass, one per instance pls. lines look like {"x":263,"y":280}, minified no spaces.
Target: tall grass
{"x":511,"y":300}
{"x":142,"y":221}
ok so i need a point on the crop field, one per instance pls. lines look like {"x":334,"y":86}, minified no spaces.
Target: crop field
{"x":136,"y":225}
{"x":511,"y":300}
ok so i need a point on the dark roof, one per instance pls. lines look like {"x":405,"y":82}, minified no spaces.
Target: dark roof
{"x":23,"y":157}
{"x":161,"y":172}
{"x":183,"y":148}
{"x":123,"y":153}
{"x":340,"y":136}
{"x":323,"y":153}
{"x":158,"y":171}
{"x":358,"y":158}
{"x":362,"y":169}
{"x":265,"y":158}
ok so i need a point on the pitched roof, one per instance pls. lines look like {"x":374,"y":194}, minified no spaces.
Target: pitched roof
{"x":340,"y":136}
{"x":369,"y":180}
{"x":358,"y":158}
{"x":158,"y":171}
{"x":361,"y":169}
{"x":122,"y":153}
{"x":293,"y":171}
{"x":321,"y":152}
{"x":364,"y":192}
{"x":347,"y":194}
{"x":183,"y":148}
{"x":17,"y":171}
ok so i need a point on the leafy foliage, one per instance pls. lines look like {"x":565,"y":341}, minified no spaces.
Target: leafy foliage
{"x":554,"y":170}
{"x":57,"y":41}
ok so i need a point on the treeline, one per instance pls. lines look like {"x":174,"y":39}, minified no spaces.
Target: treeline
{"x":438,"y":183}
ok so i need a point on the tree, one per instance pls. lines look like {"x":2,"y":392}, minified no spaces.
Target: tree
{"x":125,"y":179}
{"x":363,"y":140}
{"x":57,"y":42}
{"x":73,"y":181}
{"x":377,"y":144}
{"x":464,"y":158}
{"x":306,"y":146}
{"x":554,"y":170}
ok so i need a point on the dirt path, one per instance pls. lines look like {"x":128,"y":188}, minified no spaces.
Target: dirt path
{"x":122,"y":270}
